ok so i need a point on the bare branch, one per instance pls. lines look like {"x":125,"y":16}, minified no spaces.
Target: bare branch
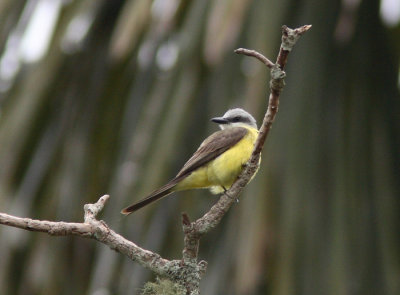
{"x":52,"y":228}
{"x":211,"y":219}
{"x":94,"y":229}
{"x":289,"y":39}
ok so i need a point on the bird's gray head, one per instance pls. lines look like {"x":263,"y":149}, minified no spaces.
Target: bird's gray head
{"x":235,"y":118}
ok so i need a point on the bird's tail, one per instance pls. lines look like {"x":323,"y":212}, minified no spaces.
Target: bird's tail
{"x":154,"y":196}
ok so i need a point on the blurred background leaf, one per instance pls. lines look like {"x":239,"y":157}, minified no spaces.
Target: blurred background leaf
{"x":113,"y":97}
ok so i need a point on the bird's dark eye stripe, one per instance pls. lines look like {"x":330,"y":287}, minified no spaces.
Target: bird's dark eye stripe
{"x":240,"y":119}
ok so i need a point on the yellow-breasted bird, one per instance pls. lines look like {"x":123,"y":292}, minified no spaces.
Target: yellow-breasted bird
{"x":217,"y":162}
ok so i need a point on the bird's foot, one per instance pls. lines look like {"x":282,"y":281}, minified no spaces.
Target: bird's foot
{"x":226,"y":193}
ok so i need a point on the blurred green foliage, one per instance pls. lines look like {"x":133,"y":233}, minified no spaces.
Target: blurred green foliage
{"x":122,"y":97}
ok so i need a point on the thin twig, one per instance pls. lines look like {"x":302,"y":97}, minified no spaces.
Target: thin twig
{"x":255,"y":54}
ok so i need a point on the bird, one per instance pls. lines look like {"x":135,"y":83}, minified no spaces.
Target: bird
{"x":217,"y":162}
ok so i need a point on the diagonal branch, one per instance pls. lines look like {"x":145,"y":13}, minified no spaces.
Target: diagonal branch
{"x":194,"y":230}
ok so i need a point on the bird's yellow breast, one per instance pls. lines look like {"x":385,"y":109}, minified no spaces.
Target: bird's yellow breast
{"x":220,"y":173}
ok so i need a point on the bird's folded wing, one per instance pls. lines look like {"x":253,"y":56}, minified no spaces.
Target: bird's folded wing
{"x":212,"y":147}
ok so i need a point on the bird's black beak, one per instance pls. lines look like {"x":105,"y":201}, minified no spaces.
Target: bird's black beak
{"x":220,"y":120}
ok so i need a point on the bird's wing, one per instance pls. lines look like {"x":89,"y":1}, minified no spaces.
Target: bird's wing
{"x":212,"y":147}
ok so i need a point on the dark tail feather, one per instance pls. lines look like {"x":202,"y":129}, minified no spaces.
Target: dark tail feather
{"x":154,"y":196}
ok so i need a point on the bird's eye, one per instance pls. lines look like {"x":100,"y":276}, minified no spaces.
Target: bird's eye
{"x":236,"y":119}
